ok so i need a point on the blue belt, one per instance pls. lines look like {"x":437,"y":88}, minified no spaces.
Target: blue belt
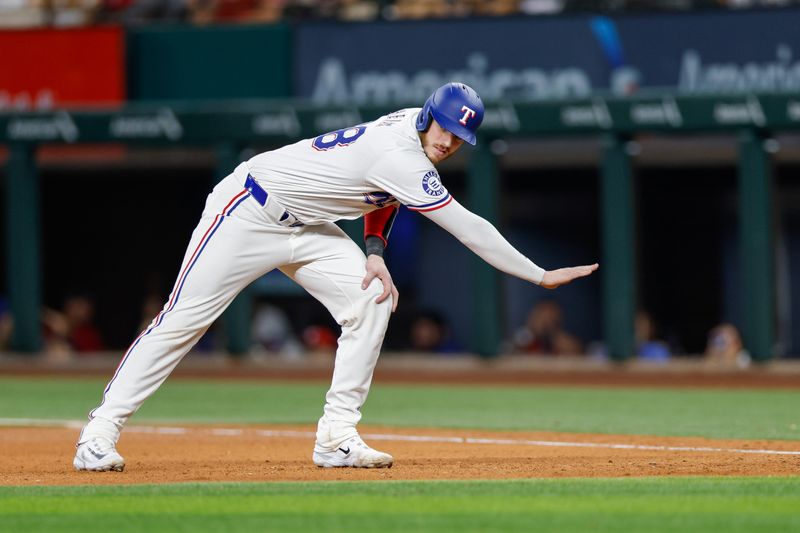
{"x":256,"y":190}
{"x":285,"y":218}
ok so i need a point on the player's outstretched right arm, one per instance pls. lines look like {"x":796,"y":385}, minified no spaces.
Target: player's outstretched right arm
{"x":480,"y":236}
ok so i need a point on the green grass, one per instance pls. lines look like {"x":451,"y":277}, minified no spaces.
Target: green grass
{"x":745,"y":414}
{"x":579,"y":505}
{"x":673,"y":505}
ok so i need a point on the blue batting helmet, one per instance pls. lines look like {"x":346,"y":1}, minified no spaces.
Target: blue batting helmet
{"x":456,"y":107}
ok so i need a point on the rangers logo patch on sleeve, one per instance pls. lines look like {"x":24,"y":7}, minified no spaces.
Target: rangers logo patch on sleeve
{"x":432,"y":185}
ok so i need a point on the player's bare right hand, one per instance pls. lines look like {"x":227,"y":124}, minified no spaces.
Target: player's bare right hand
{"x":376,"y":268}
{"x":562,"y":276}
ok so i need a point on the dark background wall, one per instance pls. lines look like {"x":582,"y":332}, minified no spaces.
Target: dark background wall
{"x":179,"y":63}
{"x":122,"y":234}
{"x":117,"y":235}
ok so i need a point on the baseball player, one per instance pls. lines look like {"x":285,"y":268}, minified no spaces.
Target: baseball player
{"x":277,"y":210}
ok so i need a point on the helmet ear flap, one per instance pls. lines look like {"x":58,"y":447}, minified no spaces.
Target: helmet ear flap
{"x":424,"y":117}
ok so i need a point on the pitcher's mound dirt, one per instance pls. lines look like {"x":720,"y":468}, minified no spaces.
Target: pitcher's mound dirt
{"x":43,"y":456}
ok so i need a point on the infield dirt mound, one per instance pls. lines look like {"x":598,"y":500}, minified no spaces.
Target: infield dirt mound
{"x":43,"y":456}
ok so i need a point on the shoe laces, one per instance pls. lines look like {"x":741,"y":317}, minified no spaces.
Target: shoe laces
{"x":100,"y":444}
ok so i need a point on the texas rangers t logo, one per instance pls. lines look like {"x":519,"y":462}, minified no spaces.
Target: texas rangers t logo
{"x":468,"y":114}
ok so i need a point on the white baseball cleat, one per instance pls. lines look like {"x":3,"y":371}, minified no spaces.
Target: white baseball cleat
{"x":99,"y":455}
{"x":353,"y":453}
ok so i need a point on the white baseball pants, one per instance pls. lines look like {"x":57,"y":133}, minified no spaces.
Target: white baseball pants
{"x":236,"y":242}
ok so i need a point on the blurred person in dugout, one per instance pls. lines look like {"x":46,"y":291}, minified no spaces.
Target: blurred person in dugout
{"x":6,"y":325}
{"x":272,"y":334}
{"x":648,"y":344}
{"x":320,"y":337}
{"x":430,"y":333}
{"x":71,"y":330}
{"x":649,"y":347}
{"x":725,"y":347}
{"x":544,"y":333}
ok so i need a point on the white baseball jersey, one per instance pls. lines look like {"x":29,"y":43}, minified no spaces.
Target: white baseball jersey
{"x":348,"y":173}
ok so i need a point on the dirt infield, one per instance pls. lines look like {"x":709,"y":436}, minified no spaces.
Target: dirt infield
{"x":43,"y":456}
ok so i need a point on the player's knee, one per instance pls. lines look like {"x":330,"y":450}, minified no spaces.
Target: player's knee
{"x":368,"y":302}
{"x":364,"y":306}
{"x":374,"y":290}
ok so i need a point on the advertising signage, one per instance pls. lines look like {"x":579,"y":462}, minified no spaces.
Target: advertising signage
{"x":541,"y":58}
{"x":44,"y":69}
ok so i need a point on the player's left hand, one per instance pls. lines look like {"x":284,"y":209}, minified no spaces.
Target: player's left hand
{"x":562,"y":276}
{"x":376,"y":268}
